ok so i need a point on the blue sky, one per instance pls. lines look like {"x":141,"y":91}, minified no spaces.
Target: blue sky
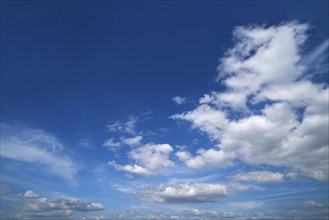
{"x":164,"y":110}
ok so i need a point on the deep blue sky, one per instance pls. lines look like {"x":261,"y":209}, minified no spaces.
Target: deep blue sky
{"x":69,"y":68}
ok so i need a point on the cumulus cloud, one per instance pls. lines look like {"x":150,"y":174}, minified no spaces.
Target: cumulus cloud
{"x":38,"y":207}
{"x":271,"y":111}
{"x":185,"y":193}
{"x":149,"y":159}
{"x":38,"y":147}
{"x":179,"y":100}
{"x":211,"y":157}
{"x":260,"y":177}
{"x":63,"y":207}
{"x":133,"y":141}
{"x":29,"y":194}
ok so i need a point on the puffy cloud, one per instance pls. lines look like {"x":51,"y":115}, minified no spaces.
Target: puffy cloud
{"x":211,"y":157}
{"x":29,"y":194}
{"x":39,"y":207}
{"x":38,"y":147}
{"x":133,"y":141}
{"x":179,"y":100}
{"x":271,"y":111}
{"x":185,"y":193}
{"x":32,"y":206}
{"x":260,"y":177}
{"x":150,"y":159}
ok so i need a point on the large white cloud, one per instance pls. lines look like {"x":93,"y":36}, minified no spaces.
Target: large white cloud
{"x":185,"y":193}
{"x":271,"y":111}
{"x":38,"y":147}
{"x":149,"y":159}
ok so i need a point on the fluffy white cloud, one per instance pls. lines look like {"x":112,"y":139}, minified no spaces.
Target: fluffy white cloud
{"x":133,"y":141}
{"x":185,"y":193}
{"x":179,"y":100}
{"x":150,"y":159}
{"x":271,"y":111}
{"x":260,"y":177}
{"x":211,"y":157}
{"x":36,"y":146}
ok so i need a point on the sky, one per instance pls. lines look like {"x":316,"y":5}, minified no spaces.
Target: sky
{"x":164,"y":110}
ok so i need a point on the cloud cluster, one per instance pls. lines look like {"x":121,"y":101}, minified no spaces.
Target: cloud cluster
{"x":185,"y":193}
{"x":38,"y":207}
{"x":271,"y":112}
{"x":38,"y":147}
{"x":149,"y":159}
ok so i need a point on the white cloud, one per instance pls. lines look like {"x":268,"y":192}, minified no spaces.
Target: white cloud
{"x":30,"y":194}
{"x":246,"y":205}
{"x":126,"y":127}
{"x":37,"y":207}
{"x":110,"y":143}
{"x":270,"y":113}
{"x":38,"y":147}
{"x":185,"y":193}
{"x":260,"y":177}
{"x":150,"y":159}
{"x":133,"y":141}
{"x":179,"y":100}
{"x":314,"y":204}
{"x":211,"y":157}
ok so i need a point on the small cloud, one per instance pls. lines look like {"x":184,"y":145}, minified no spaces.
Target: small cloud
{"x":209,"y":158}
{"x":133,"y":141}
{"x":29,"y":195}
{"x":313,"y":204}
{"x":124,"y":127}
{"x":179,"y":100}
{"x":109,"y":143}
{"x":260,"y":177}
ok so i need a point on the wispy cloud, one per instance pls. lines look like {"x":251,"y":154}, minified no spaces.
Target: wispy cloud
{"x":260,"y":177}
{"x":38,"y":147}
